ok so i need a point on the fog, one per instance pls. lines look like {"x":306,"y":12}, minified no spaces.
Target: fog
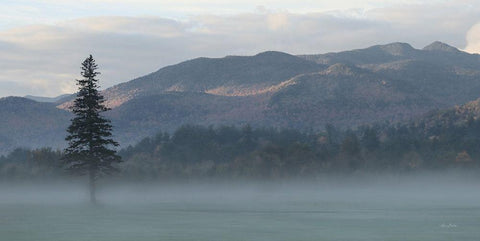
{"x":420,"y":206}
{"x":444,"y":185}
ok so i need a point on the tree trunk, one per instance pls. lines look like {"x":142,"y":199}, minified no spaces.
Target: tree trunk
{"x":91,"y":177}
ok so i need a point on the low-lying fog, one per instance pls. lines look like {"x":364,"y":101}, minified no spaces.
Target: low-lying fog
{"x":423,"y":206}
{"x":435,"y":187}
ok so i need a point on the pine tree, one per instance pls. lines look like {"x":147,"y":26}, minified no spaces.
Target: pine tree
{"x":370,"y":139}
{"x":90,"y":144}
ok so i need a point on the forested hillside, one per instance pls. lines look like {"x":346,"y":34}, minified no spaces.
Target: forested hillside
{"x":384,"y":83}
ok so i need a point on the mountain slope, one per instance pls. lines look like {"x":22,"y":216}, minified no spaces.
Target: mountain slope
{"x":385,"y":82}
{"x":27,"y":123}
{"x":232,"y":75}
{"x":168,"y":111}
{"x":392,"y":82}
{"x":447,"y":84}
{"x":345,"y":96}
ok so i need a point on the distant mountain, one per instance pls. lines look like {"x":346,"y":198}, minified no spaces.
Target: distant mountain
{"x":384,"y":82}
{"x":438,"y":46}
{"x":436,"y":52}
{"x":392,"y":82}
{"x":60,"y":98}
{"x":27,"y":123}
{"x":135,"y":119}
{"x":377,"y":54}
{"x":346,"y":96}
{"x":229,"y":76}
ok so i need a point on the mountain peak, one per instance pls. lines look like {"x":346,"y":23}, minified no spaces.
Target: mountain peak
{"x":273,"y":54}
{"x":397,"y":48}
{"x":439,"y":46}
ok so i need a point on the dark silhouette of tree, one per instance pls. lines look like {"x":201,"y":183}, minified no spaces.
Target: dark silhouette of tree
{"x":370,"y":139}
{"x":90,"y":140}
{"x":332,"y":134}
{"x":350,"y":149}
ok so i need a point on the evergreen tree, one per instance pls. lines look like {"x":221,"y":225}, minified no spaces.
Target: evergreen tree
{"x":350,"y":149}
{"x":90,"y":140}
{"x":370,"y":139}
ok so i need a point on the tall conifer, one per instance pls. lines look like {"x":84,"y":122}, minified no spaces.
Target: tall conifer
{"x":90,"y":144}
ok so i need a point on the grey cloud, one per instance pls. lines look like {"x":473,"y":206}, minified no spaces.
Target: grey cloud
{"x":5,"y":46}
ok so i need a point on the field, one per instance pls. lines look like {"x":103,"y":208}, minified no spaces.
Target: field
{"x":431,"y":210}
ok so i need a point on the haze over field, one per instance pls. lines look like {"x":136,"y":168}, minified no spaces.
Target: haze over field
{"x":413,"y":207}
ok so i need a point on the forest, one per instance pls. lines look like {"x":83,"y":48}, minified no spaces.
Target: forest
{"x":194,"y":151}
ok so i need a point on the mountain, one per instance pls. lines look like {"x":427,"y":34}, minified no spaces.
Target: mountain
{"x":392,"y":82}
{"x":455,"y":116}
{"x":389,"y":82}
{"x":436,"y":52}
{"x":441,"y":47}
{"x":168,"y":111}
{"x":27,"y":123}
{"x":229,"y":76}
{"x":341,"y":94}
{"x":56,"y":99}
{"x":346,"y":96}
{"x":377,"y":54}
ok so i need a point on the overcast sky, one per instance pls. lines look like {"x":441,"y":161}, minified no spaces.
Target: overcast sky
{"x":42,"y":43}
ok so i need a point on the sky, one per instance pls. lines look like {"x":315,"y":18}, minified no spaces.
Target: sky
{"x":42,"y":43}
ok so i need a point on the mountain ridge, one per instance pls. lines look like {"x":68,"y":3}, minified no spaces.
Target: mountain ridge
{"x":209,"y":74}
{"x":55,"y":99}
{"x":393,"y":82}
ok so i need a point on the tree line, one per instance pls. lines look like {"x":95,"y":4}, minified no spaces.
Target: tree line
{"x":194,"y":151}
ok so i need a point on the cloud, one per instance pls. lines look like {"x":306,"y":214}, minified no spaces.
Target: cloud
{"x":129,"y":25}
{"x":473,"y":39}
{"x":44,"y":59}
{"x":277,"y":21}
